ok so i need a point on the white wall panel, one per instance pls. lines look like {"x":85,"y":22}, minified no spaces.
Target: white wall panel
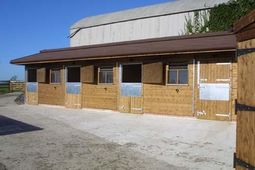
{"x":170,"y":25}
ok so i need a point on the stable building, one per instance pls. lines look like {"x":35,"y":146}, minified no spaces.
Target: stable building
{"x":136,"y":61}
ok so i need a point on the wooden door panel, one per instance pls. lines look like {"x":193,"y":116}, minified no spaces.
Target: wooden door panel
{"x":32,"y":98}
{"x":124,"y":104}
{"x":245,"y":140}
{"x":52,"y":94}
{"x":222,"y":72}
{"x":32,"y":93}
{"x":245,"y":105}
{"x":214,"y":110}
{"x":136,"y":104}
{"x":73,"y":101}
{"x":212,"y":74}
{"x":73,"y":95}
{"x":131,"y":104}
{"x":246,"y":69}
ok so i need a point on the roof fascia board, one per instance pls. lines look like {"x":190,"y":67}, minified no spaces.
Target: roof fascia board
{"x":126,"y":56}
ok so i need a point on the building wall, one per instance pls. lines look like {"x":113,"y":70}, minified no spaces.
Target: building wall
{"x":170,"y":99}
{"x":52,"y":94}
{"x":154,"y":27}
{"x":157,"y":97}
{"x":160,"y":99}
{"x":99,"y":96}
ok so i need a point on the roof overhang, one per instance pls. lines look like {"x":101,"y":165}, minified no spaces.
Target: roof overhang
{"x":199,"y":43}
{"x":244,"y":28}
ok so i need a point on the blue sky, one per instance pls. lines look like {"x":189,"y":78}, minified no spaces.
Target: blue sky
{"x":28,"y":26}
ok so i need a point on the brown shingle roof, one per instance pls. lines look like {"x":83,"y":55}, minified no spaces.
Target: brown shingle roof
{"x":222,"y":41}
{"x":245,"y":27}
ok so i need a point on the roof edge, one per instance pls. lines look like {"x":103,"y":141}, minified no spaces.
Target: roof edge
{"x":199,"y":35}
{"x":244,"y":21}
{"x":123,"y":56}
{"x":14,"y":60}
{"x":186,"y":38}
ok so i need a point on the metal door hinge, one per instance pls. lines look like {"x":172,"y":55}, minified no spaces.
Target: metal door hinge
{"x":245,"y":51}
{"x":243,"y":107}
{"x":239,"y":162}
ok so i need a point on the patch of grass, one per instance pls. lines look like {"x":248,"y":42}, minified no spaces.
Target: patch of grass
{"x":4,"y":89}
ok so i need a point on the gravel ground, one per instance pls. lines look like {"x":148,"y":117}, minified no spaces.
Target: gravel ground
{"x":58,"y":138}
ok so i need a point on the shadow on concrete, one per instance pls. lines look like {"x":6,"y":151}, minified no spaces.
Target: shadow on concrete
{"x":10,"y":126}
{"x":2,"y":167}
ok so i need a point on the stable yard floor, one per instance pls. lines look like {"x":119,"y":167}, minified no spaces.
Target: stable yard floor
{"x":43,"y":137}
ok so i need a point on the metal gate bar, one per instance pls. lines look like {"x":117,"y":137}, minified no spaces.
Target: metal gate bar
{"x":239,"y":162}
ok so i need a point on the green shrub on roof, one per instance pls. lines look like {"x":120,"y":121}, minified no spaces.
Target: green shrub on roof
{"x":223,"y":16}
{"x":219,"y":18}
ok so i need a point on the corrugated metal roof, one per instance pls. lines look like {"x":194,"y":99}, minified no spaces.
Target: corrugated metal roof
{"x":178,"y":6}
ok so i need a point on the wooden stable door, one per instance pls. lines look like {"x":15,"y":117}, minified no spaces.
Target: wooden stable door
{"x":32,"y":93}
{"x":245,"y":106}
{"x":73,"y":100}
{"x":214,"y":84}
{"x":73,"y":87}
{"x":131,"y":88}
{"x":131,"y":98}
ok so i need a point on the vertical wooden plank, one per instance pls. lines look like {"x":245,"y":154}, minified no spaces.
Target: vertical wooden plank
{"x":136,"y":104}
{"x":125,"y":104}
{"x":153,"y":72}
{"x":117,"y":77}
{"x":245,"y":141}
{"x":41,"y":75}
{"x":233,"y":89}
{"x":73,"y":101}
{"x":87,"y":74}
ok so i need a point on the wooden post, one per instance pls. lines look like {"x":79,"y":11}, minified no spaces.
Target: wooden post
{"x":245,"y":105}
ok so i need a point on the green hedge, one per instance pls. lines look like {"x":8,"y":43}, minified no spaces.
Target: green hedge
{"x":223,"y":16}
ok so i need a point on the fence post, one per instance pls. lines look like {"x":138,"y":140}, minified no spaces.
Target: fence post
{"x":10,"y":89}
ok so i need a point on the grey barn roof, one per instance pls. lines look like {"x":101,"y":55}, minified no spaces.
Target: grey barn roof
{"x":177,"y":6}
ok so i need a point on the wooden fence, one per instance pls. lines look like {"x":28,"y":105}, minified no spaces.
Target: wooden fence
{"x":11,"y":86}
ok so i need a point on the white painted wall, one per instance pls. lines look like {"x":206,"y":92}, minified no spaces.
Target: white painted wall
{"x":170,"y":25}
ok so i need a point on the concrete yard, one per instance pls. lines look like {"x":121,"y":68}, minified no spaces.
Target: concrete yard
{"x":46,"y":137}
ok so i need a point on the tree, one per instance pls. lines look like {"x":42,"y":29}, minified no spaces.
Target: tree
{"x":14,"y":78}
{"x":198,"y":23}
{"x":219,"y":18}
{"x":223,"y":16}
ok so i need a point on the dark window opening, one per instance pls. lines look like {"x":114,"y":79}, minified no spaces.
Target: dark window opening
{"x":55,"y":76}
{"x":73,"y":74}
{"x":132,"y":73}
{"x":178,"y":74}
{"x":32,"y":75}
{"x":106,"y":75}
{"x":47,"y":75}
